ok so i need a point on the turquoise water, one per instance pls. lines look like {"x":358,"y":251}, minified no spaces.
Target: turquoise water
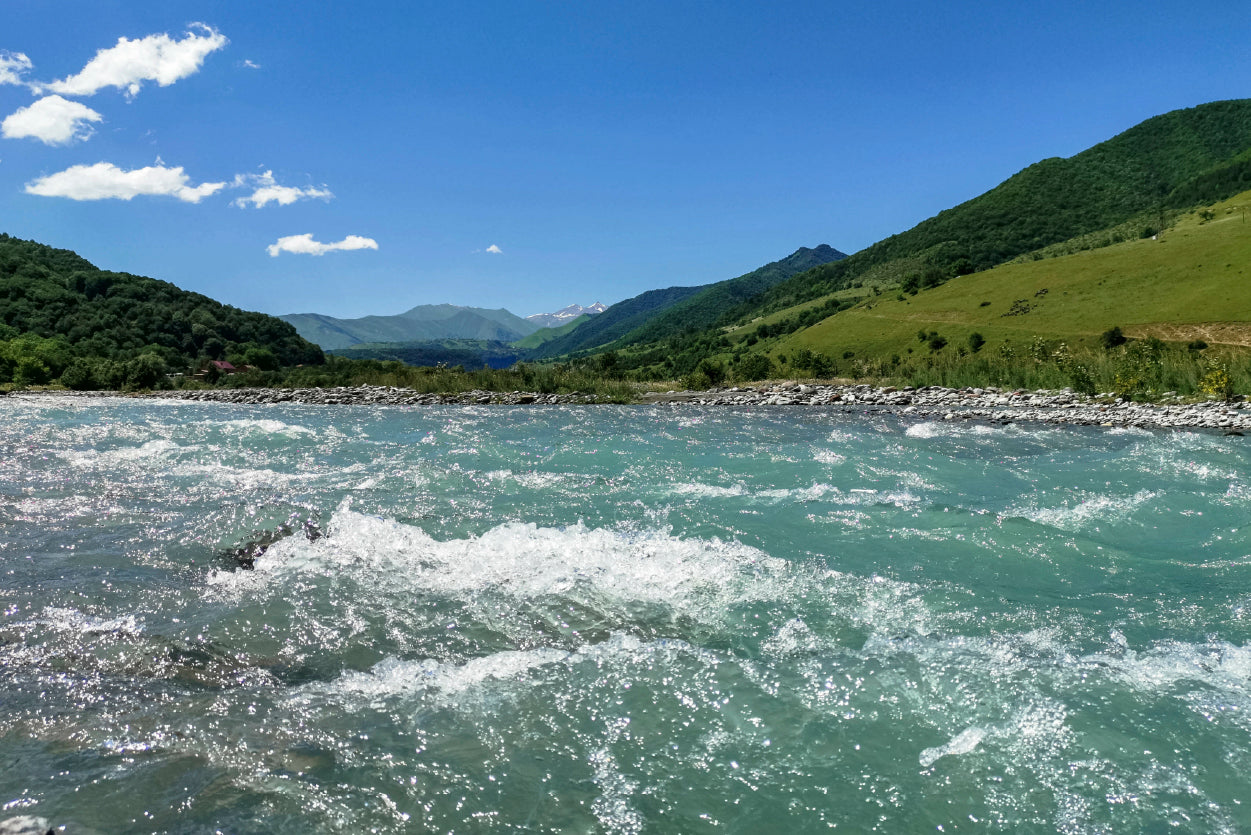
{"x":619,"y":619}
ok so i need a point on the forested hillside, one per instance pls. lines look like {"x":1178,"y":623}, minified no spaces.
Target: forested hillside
{"x":1168,"y":162}
{"x":706,"y":307}
{"x":659,"y":314}
{"x":61,"y":317}
{"x":615,"y":322}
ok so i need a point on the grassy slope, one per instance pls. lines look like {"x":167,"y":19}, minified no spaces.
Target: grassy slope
{"x":1194,"y":282}
{"x":1155,"y":164}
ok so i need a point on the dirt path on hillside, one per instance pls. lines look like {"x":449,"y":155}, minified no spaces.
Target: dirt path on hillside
{"x":1214,"y":333}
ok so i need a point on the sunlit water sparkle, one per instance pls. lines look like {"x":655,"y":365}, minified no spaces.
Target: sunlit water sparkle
{"x":619,"y":619}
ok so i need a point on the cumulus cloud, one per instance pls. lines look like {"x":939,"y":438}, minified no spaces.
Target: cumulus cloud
{"x":305,"y":245}
{"x":105,"y":181}
{"x":52,"y":120}
{"x":127,"y":65}
{"x":266,"y":190}
{"x":12,"y":65}
{"x":494,"y":250}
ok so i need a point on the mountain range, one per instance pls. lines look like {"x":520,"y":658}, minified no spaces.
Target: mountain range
{"x":423,"y":322}
{"x":57,"y":308}
{"x":445,"y":330}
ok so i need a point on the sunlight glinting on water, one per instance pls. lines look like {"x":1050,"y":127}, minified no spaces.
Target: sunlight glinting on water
{"x":619,"y":619}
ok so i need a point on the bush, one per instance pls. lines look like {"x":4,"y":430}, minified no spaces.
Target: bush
{"x":753,"y":367}
{"x":976,"y":341}
{"x":936,"y":342}
{"x":1111,"y":338}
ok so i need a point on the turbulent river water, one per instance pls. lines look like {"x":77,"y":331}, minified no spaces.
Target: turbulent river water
{"x":618,"y":619}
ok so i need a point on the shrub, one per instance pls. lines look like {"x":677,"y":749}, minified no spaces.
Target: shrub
{"x":976,"y":341}
{"x":1112,"y":337}
{"x":753,"y":367}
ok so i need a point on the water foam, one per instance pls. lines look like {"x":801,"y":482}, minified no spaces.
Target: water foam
{"x":158,"y":448}
{"x":1091,"y":508}
{"x":266,"y":426}
{"x":963,"y":743}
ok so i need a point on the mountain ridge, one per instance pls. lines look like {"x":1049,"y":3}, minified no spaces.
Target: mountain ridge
{"x":419,"y":323}
{"x":624,"y":322}
{"x":565,"y":315}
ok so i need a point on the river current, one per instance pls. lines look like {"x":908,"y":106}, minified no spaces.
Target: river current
{"x":618,"y":619}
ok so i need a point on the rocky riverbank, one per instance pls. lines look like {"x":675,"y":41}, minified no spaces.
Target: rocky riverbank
{"x":931,"y":402}
{"x":988,"y":404}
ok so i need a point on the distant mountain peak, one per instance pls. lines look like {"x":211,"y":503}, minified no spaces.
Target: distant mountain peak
{"x":566,"y":314}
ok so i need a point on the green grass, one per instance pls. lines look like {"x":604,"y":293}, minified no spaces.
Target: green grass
{"x":1193,"y":282}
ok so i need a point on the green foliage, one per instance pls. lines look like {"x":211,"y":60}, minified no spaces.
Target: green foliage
{"x":753,"y":367}
{"x":1218,"y":382}
{"x":65,"y":309}
{"x":33,"y":360}
{"x":976,"y":341}
{"x":471,"y":353}
{"x":340,"y":371}
{"x":813,"y":363}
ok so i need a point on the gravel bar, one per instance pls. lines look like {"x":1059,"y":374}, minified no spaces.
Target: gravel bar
{"x":930,"y":402}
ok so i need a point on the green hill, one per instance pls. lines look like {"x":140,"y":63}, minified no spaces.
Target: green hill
{"x":1168,"y":162}
{"x":1193,"y":282}
{"x":423,"y":322}
{"x":615,"y":322}
{"x":657,"y":314}
{"x":1182,"y":298}
{"x":705,"y":308}
{"x":60,"y":314}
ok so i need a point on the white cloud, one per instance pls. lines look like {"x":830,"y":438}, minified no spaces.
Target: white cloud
{"x":305,"y":245}
{"x":248,"y":63}
{"x":52,"y":120}
{"x":127,"y":65}
{"x":104,"y":181}
{"x":12,"y":65}
{"x":494,"y":250}
{"x":266,"y":190}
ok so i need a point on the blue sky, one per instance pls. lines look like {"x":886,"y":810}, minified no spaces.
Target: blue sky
{"x":531,"y":155}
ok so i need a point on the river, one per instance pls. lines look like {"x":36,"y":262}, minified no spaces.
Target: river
{"x":618,"y":619}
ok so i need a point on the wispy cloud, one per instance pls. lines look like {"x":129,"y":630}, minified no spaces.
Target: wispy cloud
{"x":105,"y":181}
{"x":494,"y":250}
{"x":12,"y":65}
{"x":127,"y":65}
{"x":266,"y":190}
{"x":248,"y":63}
{"x":52,"y":120}
{"x":305,"y":245}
